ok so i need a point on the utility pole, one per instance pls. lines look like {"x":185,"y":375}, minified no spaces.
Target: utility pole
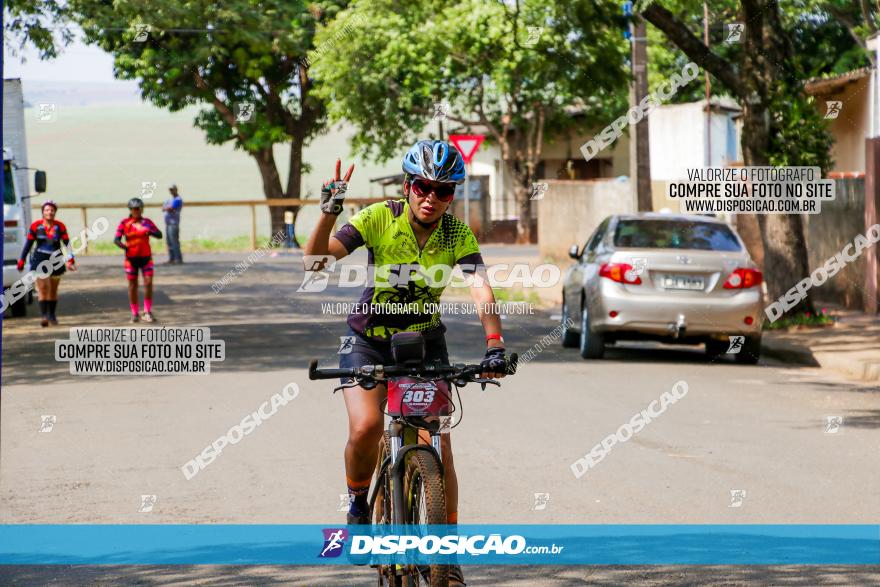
{"x":872,"y":182}
{"x":640,"y":152}
{"x":708,"y":89}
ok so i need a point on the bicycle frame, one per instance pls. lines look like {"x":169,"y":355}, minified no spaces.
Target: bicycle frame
{"x":413,"y":405}
{"x":417,"y":398}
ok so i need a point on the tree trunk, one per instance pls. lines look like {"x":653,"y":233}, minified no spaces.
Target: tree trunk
{"x":524,"y":219}
{"x":640,"y":151}
{"x":782,"y":235}
{"x":265,"y":159}
{"x":294,"y":180}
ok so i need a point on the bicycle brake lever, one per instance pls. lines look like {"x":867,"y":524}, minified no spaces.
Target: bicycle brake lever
{"x":483,"y":382}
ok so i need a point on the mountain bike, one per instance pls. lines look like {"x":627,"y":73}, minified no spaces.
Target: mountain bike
{"x":408,"y":488}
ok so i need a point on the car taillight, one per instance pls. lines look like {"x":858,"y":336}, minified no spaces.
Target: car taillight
{"x":744,"y":279}
{"x":620,"y":272}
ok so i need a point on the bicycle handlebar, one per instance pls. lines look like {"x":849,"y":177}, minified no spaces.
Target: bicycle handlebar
{"x":382,"y":372}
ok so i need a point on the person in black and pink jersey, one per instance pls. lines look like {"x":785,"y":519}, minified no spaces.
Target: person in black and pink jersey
{"x":137,"y":230}
{"x":48,"y":235}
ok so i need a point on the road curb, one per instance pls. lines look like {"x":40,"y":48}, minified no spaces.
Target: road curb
{"x":857,"y":370}
{"x":788,"y":353}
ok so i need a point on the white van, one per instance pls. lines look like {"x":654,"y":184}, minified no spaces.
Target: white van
{"x":16,"y":193}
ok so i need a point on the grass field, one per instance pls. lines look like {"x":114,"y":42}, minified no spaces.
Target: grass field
{"x":197,"y":245}
{"x":102,"y":153}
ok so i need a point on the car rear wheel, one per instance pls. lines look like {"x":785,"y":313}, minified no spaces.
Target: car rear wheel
{"x":570,"y":338}
{"x":716,"y":348}
{"x":750,"y":352}
{"x":592,"y":343}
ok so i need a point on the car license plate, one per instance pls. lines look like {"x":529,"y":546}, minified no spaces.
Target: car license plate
{"x":682,"y":282}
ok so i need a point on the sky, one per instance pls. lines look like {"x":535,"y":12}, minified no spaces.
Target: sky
{"x":77,"y":63}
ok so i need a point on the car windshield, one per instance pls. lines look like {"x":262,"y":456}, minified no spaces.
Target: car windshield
{"x":674,"y":234}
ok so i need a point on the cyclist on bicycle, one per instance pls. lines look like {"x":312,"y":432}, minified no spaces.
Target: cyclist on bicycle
{"x":403,"y":236}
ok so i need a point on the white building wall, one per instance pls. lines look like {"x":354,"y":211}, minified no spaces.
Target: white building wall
{"x":678,"y":140}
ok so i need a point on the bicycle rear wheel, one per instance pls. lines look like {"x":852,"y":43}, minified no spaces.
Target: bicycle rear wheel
{"x":426,"y":504}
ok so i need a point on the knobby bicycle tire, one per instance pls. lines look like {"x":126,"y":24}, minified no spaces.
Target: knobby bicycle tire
{"x":426,"y":504}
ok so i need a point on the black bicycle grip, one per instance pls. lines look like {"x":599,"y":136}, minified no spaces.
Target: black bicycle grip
{"x":315,"y":373}
{"x":511,"y":364}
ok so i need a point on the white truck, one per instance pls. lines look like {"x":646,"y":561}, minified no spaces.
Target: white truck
{"x":16,"y":189}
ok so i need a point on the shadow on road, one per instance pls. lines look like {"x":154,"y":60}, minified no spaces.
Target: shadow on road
{"x":519,"y":576}
{"x":266,"y":323}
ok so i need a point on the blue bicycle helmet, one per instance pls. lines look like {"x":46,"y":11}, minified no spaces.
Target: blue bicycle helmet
{"x":434,"y":161}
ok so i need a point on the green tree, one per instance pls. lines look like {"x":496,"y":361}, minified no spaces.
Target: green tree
{"x":40,"y":23}
{"x":223,"y":57}
{"x":780,"y":125}
{"x":523,"y":72}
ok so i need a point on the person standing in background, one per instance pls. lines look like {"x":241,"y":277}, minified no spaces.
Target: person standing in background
{"x":48,"y":235}
{"x":137,"y":230}
{"x":172,"y":208}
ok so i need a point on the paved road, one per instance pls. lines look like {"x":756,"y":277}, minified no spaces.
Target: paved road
{"x":753,"y":428}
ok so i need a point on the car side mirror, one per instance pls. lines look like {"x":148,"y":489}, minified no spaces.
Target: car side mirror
{"x":573,"y":252}
{"x":40,"y":181}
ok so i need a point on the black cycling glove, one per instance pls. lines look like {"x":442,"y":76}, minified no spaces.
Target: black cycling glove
{"x":494,"y":361}
{"x":332,"y":197}
{"x":333,"y":191}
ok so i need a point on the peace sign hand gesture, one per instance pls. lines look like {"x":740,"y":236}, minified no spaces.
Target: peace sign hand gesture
{"x":333,"y":191}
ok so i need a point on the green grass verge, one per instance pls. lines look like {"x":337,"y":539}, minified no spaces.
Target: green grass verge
{"x":507,"y":294}
{"x":199,"y":245}
{"x":808,"y":319}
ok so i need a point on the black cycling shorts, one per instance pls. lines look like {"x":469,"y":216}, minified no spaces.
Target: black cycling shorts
{"x":54,"y":260}
{"x":358,"y":351}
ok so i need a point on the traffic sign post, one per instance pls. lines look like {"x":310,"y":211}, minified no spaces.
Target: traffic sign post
{"x":467,"y":145}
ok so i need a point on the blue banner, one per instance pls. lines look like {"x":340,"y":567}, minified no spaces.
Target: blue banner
{"x":464,"y":544}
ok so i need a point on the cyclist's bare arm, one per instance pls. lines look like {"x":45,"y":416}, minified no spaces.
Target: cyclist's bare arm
{"x":320,"y":241}
{"x":484,"y":298}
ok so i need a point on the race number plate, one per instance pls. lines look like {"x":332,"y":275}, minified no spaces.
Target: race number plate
{"x":407,"y":397}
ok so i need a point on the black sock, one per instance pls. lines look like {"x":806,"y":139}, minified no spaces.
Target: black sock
{"x":359,"y":505}
{"x":44,"y":307}
{"x":52,"y":305}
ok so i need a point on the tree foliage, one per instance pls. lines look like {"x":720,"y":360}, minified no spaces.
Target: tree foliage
{"x":222,"y":57}
{"x":40,"y":23}
{"x":523,"y":72}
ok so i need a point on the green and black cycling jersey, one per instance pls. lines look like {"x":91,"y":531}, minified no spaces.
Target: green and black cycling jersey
{"x":393,"y":302}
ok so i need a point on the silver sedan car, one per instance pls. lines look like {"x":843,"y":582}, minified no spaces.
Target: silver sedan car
{"x":665,"y":277}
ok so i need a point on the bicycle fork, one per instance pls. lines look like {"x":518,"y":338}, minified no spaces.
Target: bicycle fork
{"x":398,"y":433}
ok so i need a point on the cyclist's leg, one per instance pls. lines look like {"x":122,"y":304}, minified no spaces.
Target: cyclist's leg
{"x":148,"y":287}
{"x":42,"y":285}
{"x":365,"y":420}
{"x":54,"y":282}
{"x":131,"y":276}
{"x":364,"y":432}
{"x":450,"y":478}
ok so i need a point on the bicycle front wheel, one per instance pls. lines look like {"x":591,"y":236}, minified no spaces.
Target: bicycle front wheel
{"x":425,"y":504}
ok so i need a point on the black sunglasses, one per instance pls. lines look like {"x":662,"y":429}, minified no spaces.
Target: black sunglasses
{"x":442,"y":191}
